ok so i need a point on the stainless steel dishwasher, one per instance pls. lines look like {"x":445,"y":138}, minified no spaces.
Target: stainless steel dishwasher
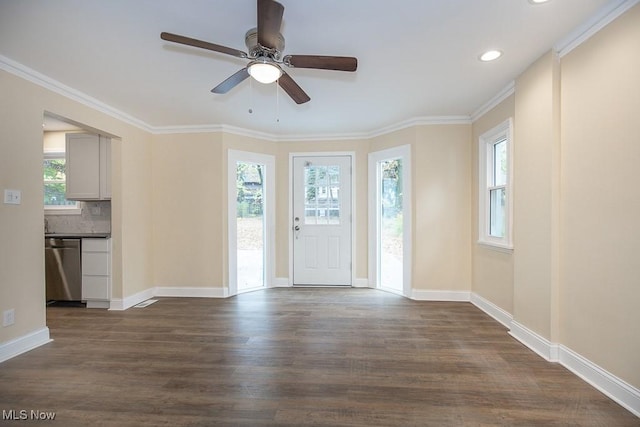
{"x":63,"y":269}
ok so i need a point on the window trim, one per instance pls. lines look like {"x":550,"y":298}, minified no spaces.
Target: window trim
{"x":59,"y":210}
{"x":486,"y":142}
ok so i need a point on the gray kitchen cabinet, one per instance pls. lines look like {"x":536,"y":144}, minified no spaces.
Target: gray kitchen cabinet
{"x":88,"y":167}
{"x":96,"y":272}
{"x":105,"y":168}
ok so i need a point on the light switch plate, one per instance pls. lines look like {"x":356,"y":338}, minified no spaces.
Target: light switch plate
{"x":12,"y":197}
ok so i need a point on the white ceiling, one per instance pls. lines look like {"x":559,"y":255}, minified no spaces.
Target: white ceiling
{"x":417,"y":58}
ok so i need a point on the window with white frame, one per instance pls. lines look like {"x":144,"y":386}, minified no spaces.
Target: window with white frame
{"x":55,"y":184}
{"x":494,"y":194}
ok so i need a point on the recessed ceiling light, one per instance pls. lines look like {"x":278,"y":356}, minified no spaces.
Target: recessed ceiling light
{"x":490,"y":55}
{"x":538,"y":1}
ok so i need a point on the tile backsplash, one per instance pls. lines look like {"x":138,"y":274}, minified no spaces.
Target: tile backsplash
{"x":95,"y":218}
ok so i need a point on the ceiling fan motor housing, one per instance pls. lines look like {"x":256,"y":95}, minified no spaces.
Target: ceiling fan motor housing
{"x":256,"y":50}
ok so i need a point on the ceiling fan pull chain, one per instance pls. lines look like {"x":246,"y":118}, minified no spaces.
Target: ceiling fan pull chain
{"x":250,"y":96}
{"x":277,"y":101}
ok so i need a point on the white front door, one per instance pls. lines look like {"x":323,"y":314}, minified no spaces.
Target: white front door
{"x":321,"y":222}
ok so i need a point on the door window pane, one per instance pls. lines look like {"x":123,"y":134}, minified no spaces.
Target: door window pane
{"x":322,"y":195}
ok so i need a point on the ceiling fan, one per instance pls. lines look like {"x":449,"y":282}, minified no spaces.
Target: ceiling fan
{"x":265,"y":45}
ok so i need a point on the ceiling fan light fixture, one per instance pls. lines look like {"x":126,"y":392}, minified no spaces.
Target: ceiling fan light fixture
{"x":264,"y":72}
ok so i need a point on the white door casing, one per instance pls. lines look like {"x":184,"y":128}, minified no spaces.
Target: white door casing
{"x":321,"y":222}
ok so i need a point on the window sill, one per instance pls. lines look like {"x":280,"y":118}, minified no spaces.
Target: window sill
{"x":498,"y":247}
{"x":63,"y":211}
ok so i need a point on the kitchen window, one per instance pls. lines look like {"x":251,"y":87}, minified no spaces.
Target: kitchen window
{"x":55,"y":186}
{"x":494,"y":194}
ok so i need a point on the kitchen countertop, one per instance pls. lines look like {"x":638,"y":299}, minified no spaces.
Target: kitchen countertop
{"x":77,"y":235}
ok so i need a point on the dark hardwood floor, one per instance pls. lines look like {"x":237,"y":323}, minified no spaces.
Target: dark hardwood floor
{"x":293,"y":357}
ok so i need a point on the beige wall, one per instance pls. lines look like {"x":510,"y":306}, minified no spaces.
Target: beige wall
{"x":21,"y":226}
{"x":442,"y":208}
{"x":187,"y":208}
{"x":535,"y":181}
{"x":492,"y":271}
{"x":22,"y":106}
{"x":600,"y":252}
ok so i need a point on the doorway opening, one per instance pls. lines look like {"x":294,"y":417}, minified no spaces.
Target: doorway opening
{"x":390,"y":219}
{"x":250,"y":221}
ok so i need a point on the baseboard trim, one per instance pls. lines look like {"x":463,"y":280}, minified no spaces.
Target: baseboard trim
{"x":161,"y":291}
{"x":613,"y":387}
{"x":450,"y":296}
{"x":98,"y":304}
{"x":191,"y":292}
{"x":492,"y":310}
{"x":131,"y":300}
{"x":360,"y":283}
{"x":537,"y":343}
{"x":280,"y":282}
{"x":24,"y":343}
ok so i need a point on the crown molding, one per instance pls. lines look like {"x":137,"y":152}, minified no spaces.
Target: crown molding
{"x":249,"y":133}
{"x":420,"y":121}
{"x":601,"y":19}
{"x":46,"y":82}
{"x":506,"y":92}
{"x":319,"y":137}
{"x":167,"y":130}
{"x":417,"y":121}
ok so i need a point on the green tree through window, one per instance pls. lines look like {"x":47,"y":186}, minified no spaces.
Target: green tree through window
{"x":55,"y":183}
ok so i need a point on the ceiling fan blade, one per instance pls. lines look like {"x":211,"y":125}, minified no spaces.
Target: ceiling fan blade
{"x":269,"y":21}
{"x":338,"y":63}
{"x":293,"y":90}
{"x":202,"y":44}
{"x":231,"y":82}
